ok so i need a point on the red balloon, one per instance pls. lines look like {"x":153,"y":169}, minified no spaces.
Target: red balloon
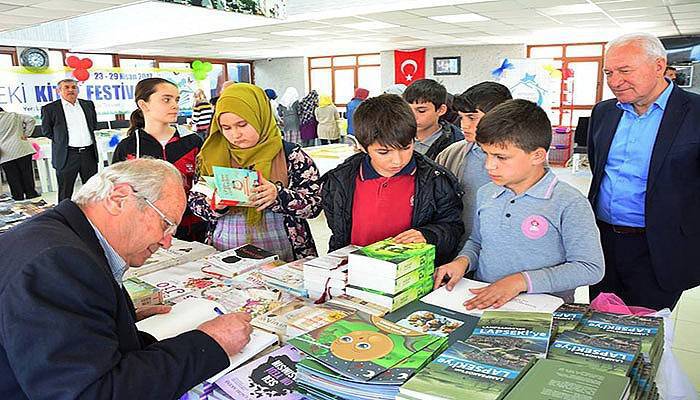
{"x":85,"y":63}
{"x":73,"y":61}
{"x":81,"y":74}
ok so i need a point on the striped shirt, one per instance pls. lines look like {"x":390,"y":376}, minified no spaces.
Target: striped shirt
{"x":202,"y":115}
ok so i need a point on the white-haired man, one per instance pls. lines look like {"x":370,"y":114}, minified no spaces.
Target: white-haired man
{"x":67,"y":327}
{"x":644,"y":150}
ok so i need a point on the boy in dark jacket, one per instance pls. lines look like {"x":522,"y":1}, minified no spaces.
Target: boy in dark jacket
{"x":390,"y":190}
{"x":428,"y":99}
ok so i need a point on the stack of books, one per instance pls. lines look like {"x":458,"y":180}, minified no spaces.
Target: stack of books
{"x":288,"y":277}
{"x":142,"y":294}
{"x":357,"y":304}
{"x":568,"y":317}
{"x":649,"y":331}
{"x":361,"y":357}
{"x":434,"y":320}
{"x":554,"y":379}
{"x":487,"y":364}
{"x":297,"y":317}
{"x":597,"y":351}
{"x":271,"y":377}
{"x":391,"y":274}
{"x":327,"y":274}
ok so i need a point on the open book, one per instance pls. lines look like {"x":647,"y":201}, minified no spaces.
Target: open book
{"x":188,"y":315}
{"x":455,"y":299}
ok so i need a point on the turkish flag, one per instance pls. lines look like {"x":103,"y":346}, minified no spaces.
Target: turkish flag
{"x":409,"y":66}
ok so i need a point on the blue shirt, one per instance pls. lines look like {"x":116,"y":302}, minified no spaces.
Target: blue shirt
{"x":547,"y":233}
{"x":116,"y":263}
{"x":474,"y":176}
{"x":624,"y":185}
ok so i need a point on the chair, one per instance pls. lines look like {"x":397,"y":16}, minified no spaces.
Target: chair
{"x":580,"y":144}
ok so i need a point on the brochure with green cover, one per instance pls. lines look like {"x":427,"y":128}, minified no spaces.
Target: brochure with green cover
{"x":464,"y":371}
{"x":601,"y":352}
{"x":553,"y":379}
{"x":361,"y":346}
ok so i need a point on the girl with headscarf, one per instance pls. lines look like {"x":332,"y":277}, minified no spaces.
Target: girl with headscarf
{"x":244,"y":135}
{"x":328,"y":119}
{"x":288,"y":110}
{"x":360,"y":96}
{"x":307,"y":120}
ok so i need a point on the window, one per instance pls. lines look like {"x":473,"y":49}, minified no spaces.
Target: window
{"x":239,"y":72}
{"x":586,"y":61}
{"x":338,"y":76}
{"x":98,"y":60}
{"x":136,"y":63}
{"x":6,"y":60}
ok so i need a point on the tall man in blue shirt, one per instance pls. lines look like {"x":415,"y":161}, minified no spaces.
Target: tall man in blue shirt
{"x":644,"y":151}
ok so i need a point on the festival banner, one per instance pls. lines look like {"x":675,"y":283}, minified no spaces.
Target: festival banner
{"x":111,"y":89}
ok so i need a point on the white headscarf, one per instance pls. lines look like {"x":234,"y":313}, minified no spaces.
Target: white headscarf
{"x":289,"y":97}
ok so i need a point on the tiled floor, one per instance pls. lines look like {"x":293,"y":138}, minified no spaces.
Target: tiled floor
{"x":685,"y":318}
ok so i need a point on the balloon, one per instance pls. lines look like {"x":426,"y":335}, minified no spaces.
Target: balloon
{"x":73,"y":61}
{"x":85,"y":63}
{"x":81,"y":74}
{"x":206,"y":67}
{"x":196,"y":65}
{"x":199,"y":75}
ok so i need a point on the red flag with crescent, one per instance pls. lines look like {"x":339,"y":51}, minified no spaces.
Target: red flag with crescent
{"x":409,"y":66}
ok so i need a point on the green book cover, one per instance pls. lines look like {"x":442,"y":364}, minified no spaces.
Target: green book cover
{"x":568,"y":316}
{"x":553,"y":379}
{"x":600,"y":352}
{"x":361,"y":346}
{"x":235,"y":185}
{"x":464,"y":371}
{"x":393,"y":301}
{"x":435,"y":320}
{"x":396,"y":375}
{"x":649,"y":330}
{"x":528,"y":332}
{"x":388,"y":259}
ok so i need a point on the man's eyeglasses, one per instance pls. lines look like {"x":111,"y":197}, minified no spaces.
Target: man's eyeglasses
{"x":171,"y":227}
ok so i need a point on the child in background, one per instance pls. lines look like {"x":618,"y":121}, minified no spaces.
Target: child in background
{"x":389,"y":190}
{"x":532,"y":233}
{"x":244,"y":135}
{"x":427,"y":99}
{"x":328,"y":119}
{"x":465,"y":159}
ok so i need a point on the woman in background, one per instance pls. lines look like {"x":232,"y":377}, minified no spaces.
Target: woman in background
{"x":360,"y":96}
{"x":288,"y":110}
{"x":202,"y":113}
{"x":307,"y":120}
{"x":16,"y":154}
{"x":328,"y":119}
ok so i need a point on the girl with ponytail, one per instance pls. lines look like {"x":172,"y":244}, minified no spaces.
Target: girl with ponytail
{"x":153,"y":133}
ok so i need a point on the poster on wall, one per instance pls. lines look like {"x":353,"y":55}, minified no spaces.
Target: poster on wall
{"x":111,"y":89}
{"x":265,"y":8}
{"x":533,"y":79}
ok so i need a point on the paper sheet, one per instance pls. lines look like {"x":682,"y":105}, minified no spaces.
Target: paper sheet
{"x":455,"y":299}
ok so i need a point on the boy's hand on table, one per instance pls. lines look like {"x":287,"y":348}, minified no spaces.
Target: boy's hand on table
{"x":497,"y":293}
{"x":453,"y":270}
{"x":410,"y":236}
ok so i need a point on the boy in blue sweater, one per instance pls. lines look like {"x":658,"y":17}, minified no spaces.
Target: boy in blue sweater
{"x":531,"y":233}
